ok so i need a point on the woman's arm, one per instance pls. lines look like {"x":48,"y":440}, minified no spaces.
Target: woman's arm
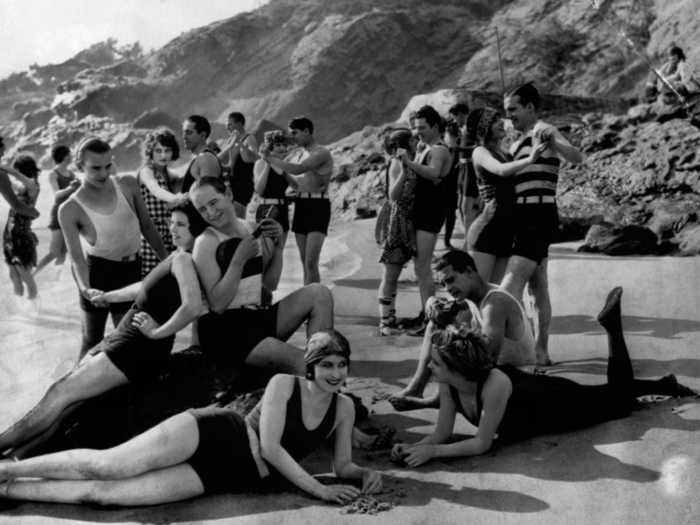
{"x":148,"y":179}
{"x":261,"y":172}
{"x":398,"y":173}
{"x":122,"y":295}
{"x":482,"y":158}
{"x":148,"y":229}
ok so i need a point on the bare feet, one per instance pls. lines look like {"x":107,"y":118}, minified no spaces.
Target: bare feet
{"x":612,"y":311}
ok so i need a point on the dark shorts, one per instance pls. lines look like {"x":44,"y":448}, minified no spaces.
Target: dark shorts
{"x":281,"y":214}
{"x":311,"y":215}
{"x":492,"y":232}
{"x":230,"y":336}
{"x":139,"y":358}
{"x":109,"y":275}
{"x":536,"y":226}
{"x":223,"y":460}
{"x":429,"y":218}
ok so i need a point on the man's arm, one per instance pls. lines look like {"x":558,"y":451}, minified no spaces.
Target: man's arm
{"x":68,"y":220}
{"x":311,"y":163}
{"x":249,"y":149}
{"x":494,"y":317}
{"x":206,"y":166}
{"x":562,"y":146}
{"x":13,"y":200}
{"x":148,"y":229}
{"x":439,"y":158}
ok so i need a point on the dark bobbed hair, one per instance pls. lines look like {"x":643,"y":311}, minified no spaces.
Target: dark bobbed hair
{"x":201,"y":124}
{"x":92,"y":145}
{"x":59,"y":152}
{"x":463,"y":351}
{"x":431,"y":116}
{"x":237,"y":116}
{"x":460,"y":108}
{"x":459,"y":260}
{"x":197,"y":223}
{"x":337,"y":345}
{"x":397,"y":138}
{"x":480,"y":134}
{"x":677,"y":51}
{"x":527,"y":94}
{"x":163,"y":136}
{"x":26,"y":165}
{"x":452,"y":128}
{"x":275,"y":137}
{"x":301,"y":124}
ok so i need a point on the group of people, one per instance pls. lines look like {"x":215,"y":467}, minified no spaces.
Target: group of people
{"x":212,"y":269}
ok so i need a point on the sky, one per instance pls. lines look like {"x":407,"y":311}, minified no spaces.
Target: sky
{"x":51,"y":31}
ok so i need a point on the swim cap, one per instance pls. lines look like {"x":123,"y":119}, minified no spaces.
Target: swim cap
{"x":325,"y":343}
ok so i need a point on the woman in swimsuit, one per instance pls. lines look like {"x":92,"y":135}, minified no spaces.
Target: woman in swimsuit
{"x":504,"y":402}
{"x":165,"y":302}
{"x":209,"y":450}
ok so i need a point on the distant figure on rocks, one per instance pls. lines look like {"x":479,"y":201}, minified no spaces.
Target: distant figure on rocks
{"x":239,"y":266}
{"x":63,"y":183}
{"x":195,"y":132}
{"x":507,"y":405}
{"x":431,"y":165}
{"x":399,"y":245}
{"x":678,"y":72}
{"x":109,"y":214}
{"x":536,"y":215}
{"x":271,"y":183}
{"x":19,"y":241}
{"x":159,"y":149}
{"x":239,"y":152}
{"x":8,"y":193}
{"x":167,"y":300}
{"x":308,"y":170}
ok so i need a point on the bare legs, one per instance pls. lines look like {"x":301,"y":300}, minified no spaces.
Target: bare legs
{"x":57,"y":251}
{"x":425,"y":246}
{"x":146,"y":470}
{"x":387,"y":298}
{"x":489,"y":267}
{"x":22,"y":276}
{"x":310,"y":246}
{"x":469,"y":212}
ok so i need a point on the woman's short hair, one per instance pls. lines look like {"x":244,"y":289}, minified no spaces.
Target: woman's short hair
{"x":677,"y":51}
{"x":479,"y":124}
{"x":26,"y":165}
{"x":163,"y":136}
{"x":59,"y":152}
{"x":196,"y":223}
{"x":274,"y":138}
{"x":397,"y":138}
{"x":464,"y":351}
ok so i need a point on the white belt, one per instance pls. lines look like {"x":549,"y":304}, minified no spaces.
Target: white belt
{"x":272,"y":201}
{"x":308,"y":195}
{"x":537,"y":199}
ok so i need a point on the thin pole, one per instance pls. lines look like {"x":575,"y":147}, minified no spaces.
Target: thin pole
{"x":500,"y":63}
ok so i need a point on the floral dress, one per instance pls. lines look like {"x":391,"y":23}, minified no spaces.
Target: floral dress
{"x":19,"y":241}
{"x":399,"y":244}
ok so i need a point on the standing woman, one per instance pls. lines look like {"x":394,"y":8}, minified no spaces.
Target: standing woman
{"x":271,"y":183}
{"x":490,"y":236}
{"x":63,"y":183}
{"x":399,"y":244}
{"x":159,"y":149}
{"x":213,"y":450}
{"x":19,"y":241}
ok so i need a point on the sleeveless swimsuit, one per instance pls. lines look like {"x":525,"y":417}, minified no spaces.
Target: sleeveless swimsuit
{"x":241,"y":180}
{"x":429,"y":207}
{"x":189,"y":179}
{"x":275,"y":190}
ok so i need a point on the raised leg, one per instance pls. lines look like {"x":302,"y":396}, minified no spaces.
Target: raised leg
{"x":313,"y":302}
{"x":273,"y":354}
{"x":93,"y":326}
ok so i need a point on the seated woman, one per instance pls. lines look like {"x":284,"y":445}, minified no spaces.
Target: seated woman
{"x":239,"y":267}
{"x":209,"y":450}
{"x":164,"y":303}
{"x":507,"y":403}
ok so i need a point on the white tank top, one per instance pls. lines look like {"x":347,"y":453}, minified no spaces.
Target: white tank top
{"x":517,"y":352}
{"x":117,"y":234}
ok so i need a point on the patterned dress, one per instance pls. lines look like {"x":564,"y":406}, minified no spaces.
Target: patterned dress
{"x":400,"y":244}
{"x":160,"y":215}
{"x":19,"y":241}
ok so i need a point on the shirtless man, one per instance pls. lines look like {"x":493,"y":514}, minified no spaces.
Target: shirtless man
{"x":195,"y":132}
{"x":109,"y":213}
{"x":431,"y":165}
{"x":495,"y":312}
{"x":239,"y":152}
{"x":308,"y":170}
{"x":536,"y":213}
{"x":8,"y":194}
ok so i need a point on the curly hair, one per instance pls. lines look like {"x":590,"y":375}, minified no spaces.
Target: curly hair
{"x":163,"y":136}
{"x":26,"y":165}
{"x":443,"y":311}
{"x":274,"y":138}
{"x":196,"y":224}
{"x":464,"y":351}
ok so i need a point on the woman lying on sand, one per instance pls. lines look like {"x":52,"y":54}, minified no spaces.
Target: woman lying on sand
{"x":167,"y":300}
{"x":507,"y":403}
{"x":213,"y":450}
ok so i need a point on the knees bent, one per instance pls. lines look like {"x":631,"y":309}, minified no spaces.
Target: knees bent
{"x":320,"y":294}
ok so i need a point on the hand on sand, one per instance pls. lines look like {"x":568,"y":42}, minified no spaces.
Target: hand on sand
{"x":371,"y":482}
{"x":413,"y":455}
{"x":146,"y":324}
{"x":339,"y":493}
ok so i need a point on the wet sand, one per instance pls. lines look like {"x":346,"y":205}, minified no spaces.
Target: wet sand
{"x":644,"y":469}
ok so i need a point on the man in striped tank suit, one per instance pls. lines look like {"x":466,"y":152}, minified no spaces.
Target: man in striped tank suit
{"x":536,"y":215}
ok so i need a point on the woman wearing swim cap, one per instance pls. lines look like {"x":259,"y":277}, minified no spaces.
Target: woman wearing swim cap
{"x":210,"y":450}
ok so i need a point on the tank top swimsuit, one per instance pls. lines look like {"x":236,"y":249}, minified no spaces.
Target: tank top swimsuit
{"x":242,"y":178}
{"x":189,"y":179}
{"x":249,"y":291}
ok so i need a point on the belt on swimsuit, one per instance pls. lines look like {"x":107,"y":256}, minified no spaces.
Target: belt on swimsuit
{"x":308,"y":195}
{"x":272,"y":201}
{"x":537,"y":199}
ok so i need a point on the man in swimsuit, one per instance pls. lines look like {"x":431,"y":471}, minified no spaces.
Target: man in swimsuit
{"x":431,"y":165}
{"x":109,"y":213}
{"x":239,"y":152}
{"x":536,"y":213}
{"x":195,"y":132}
{"x":498,"y":315}
{"x":9,"y":195}
{"x":308,"y":170}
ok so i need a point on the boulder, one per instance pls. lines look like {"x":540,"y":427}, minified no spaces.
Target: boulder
{"x":612,"y":239}
{"x":154,"y":118}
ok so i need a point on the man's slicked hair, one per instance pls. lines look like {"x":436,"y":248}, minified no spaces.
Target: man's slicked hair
{"x":302,"y":123}
{"x":237,"y":116}
{"x":201,"y":124}
{"x":457,"y":259}
{"x":460,"y":108}
{"x":527,"y":94}
{"x":93,"y":145}
{"x":431,"y":116}
{"x":59,"y":152}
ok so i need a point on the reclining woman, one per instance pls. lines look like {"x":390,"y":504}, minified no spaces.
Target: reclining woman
{"x":167,"y":300}
{"x":507,"y":403}
{"x":239,"y":266}
{"x":210,"y":450}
